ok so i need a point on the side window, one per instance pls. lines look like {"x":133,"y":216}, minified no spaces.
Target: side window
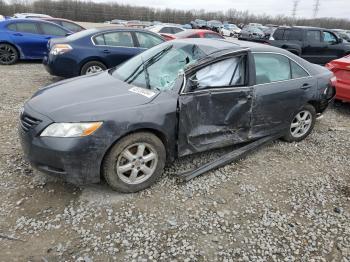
{"x":313,"y":36}
{"x":226,"y":73}
{"x":148,"y":40}
{"x":195,"y":36}
{"x":297,"y":70}
{"x":291,"y":34}
{"x":278,"y":35}
{"x":12,"y":27}
{"x":271,"y":68}
{"x":214,"y":36}
{"x":49,"y":29}
{"x":70,"y":26}
{"x":99,"y":40}
{"x":165,"y":30}
{"x":123,"y":39}
{"x":176,"y":30}
{"x":27,"y":28}
{"x":329,"y":37}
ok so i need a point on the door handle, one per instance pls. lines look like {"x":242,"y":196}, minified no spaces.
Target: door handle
{"x":306,"y":86}
{"x":106,"y":51}
{"x":17,"y":34}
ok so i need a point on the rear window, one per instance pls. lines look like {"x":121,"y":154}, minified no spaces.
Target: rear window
{"x":278,"y":35}
{"x":292,"y":34}
{"x":313,"y":36}
{"x":27,"y":28}
{"x":49,"y":29}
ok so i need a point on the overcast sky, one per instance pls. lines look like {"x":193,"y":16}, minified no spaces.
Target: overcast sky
{"x":328,"y":8}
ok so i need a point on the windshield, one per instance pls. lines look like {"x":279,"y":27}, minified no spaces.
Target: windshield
{"x":158,"y":67}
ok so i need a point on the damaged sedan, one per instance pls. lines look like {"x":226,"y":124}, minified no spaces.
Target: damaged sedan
{"x":179,"y":98}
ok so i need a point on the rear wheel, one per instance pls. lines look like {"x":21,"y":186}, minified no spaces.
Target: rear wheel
{"x":135,"y":162}
{"x":92,"y":67}
{"x":8,"y":54}
{"x":302,"y":124}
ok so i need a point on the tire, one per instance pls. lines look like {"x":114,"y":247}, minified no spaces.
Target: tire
{"x":124,"y":161}
{"x":305,"y":120}
{"x":8,"y":54}
{"x":92,"y":67}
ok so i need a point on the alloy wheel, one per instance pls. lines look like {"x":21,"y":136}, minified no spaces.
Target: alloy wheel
{"x":93,"y":69}
{"x":7,"y":54}
{"x":136,"y":163}
{"x":301,"y":124}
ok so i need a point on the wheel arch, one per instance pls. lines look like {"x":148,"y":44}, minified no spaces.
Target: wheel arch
{"x":170,"y":155}
{"x":18,"y":49}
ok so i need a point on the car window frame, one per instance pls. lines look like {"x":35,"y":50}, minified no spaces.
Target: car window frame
{"x":41,"y":31}
{"x":136,"y":39}
{"x":244,"y":52}
{"x":331,"y":33}
{"x":92,"y":38}
{"x":25,"y":22}
{"x":290,"y":68}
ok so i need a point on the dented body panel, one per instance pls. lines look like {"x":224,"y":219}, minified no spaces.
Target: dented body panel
{"x":187,"y":121}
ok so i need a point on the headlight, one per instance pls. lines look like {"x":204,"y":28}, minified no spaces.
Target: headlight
{"x":60,"y":49}
{"x":71,"y":129}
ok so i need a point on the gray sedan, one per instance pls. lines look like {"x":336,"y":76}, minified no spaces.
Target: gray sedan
{"x":178,"y":98}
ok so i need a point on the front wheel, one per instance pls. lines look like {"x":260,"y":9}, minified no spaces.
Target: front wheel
{"x":135,"y":162}
{"x":302,"y":124}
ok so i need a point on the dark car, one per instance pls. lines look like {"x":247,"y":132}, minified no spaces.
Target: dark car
{"x":68,"y":24}
{"x":26,"y":39}
{"x":251,"y":33}
{"x":179,"y":98}
{"x":95,"y":50}
{"x":214,"y":25}
{"x":199,"y":24}
{"x":316,"y":45}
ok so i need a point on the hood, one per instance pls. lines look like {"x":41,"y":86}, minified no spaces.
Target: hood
{"x":87,"y":98}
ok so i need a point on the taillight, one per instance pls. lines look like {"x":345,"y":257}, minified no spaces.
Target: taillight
{"x":60,"y":49}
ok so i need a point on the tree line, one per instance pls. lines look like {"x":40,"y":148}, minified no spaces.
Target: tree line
{"x":89,"y":11}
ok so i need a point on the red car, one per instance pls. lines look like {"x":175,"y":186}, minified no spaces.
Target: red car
{"x":192,"y":33}
{"x":341,"y":69}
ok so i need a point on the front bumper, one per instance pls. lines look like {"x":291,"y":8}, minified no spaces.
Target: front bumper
{"x":76,"y":160}
{"x":61,"y":65}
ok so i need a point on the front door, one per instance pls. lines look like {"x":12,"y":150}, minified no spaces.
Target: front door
{"x":215,"y":106}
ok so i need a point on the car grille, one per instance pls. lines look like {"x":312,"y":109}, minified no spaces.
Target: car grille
{"x":28,"y":122}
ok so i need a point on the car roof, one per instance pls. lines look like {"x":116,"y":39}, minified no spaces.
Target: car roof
{"x":221,"y":45}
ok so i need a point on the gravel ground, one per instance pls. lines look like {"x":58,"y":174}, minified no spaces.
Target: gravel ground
{"x":284,"y":202}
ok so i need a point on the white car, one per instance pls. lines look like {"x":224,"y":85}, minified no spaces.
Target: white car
{"x":30,"y":15}
{"x":230,"y":30}
{"x":166,"y":28}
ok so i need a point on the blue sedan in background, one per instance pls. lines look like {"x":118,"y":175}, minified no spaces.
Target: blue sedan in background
{"x":26,"y":39}
{"x":97,"y":49}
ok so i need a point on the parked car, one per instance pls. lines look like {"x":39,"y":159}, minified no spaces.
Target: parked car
{"x":26,"y":39}
{"x":251,"y":33}
{"x":178,"y":98}
{"x":316,"y":45}
{"x":166,"y":28}
{"x":193,"y":33}
{"x":68,"y":24}
{"x":30,"y":15}
{"x":343,"y":34}
{"x":214,"y":25}
{"x":186,"y":26}
{"x":94,"y":50}
{"x":341,"y":69}
{"x":230,"y":30}
{"x":199,"y":24}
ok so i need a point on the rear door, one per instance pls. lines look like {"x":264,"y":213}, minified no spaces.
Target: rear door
{"x":26,"y":35}
{"x":282,"y":87}
{"x":215,"y":106}
{"x":313,"y":47}
{"x":115,"y":47}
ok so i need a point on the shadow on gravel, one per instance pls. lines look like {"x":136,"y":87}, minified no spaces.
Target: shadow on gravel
{"x":342,"y":108}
